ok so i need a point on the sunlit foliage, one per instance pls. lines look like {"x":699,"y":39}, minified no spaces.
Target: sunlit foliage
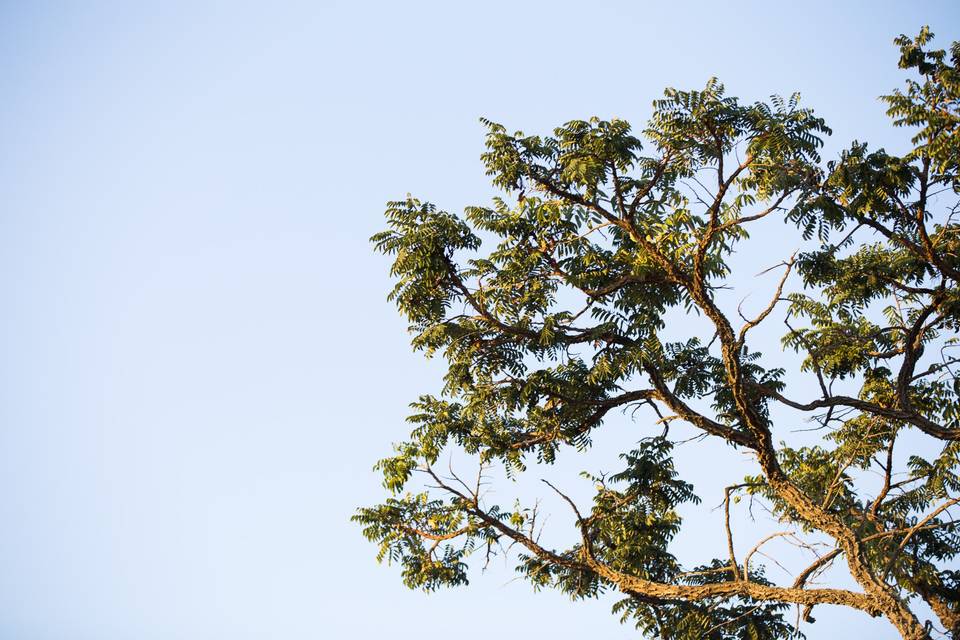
{"x":550,"y":309}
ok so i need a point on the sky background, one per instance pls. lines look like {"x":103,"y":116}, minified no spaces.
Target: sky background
{"x":199,"y":366}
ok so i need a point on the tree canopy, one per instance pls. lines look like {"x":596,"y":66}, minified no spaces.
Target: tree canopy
{"x":552,"y":308}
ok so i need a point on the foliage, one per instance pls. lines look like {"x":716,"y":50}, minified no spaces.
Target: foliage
{"x":551,"y":309}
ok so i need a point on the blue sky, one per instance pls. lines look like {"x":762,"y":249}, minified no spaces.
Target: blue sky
{"x":199,"y":364}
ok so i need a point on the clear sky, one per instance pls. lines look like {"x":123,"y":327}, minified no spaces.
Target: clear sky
{"x":199,"y":365}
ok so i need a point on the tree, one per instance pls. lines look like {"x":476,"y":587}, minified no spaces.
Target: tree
{"x":565,"y":322}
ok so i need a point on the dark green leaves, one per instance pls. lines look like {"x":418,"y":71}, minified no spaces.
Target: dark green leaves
{"x":563,"y":318}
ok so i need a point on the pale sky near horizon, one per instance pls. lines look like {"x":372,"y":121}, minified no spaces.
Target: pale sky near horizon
{"x":199,"y":363}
